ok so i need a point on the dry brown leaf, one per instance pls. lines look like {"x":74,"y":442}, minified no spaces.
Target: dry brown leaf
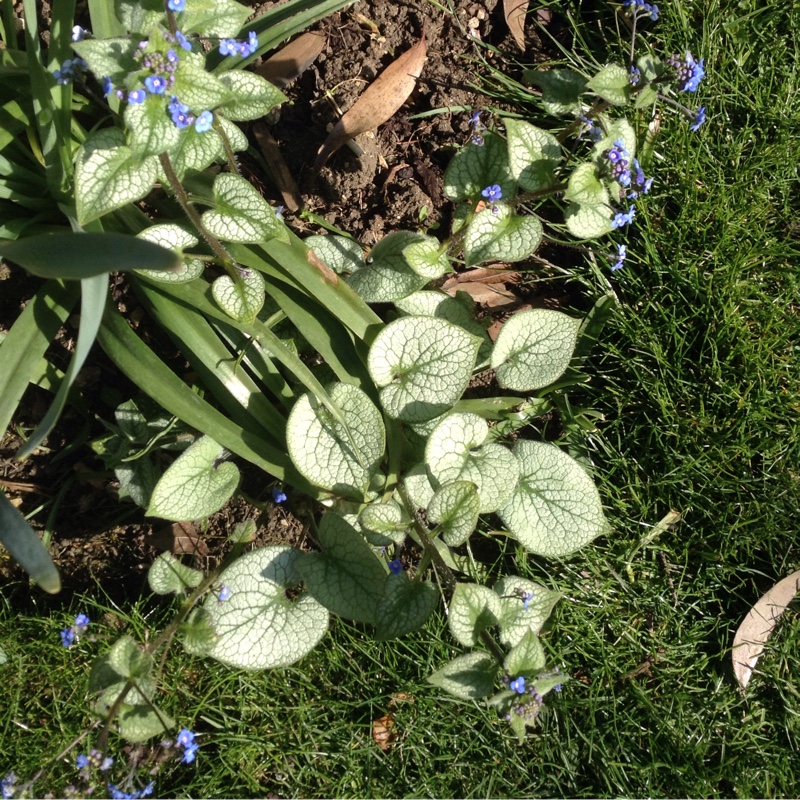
{"x":753,"y":633}
{"x":515,"y":11}
{"x":383,"y":733}
{"x":493,"y":295}
{"x":180,"y":538}
{"x":283,"y":178}
{"x":292,"y":60}
{"x":379,"y":103}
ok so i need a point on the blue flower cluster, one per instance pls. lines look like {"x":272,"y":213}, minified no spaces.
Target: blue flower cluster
{"x":621,"y":219}
{"x":7,"y":785}
{"x":70,"y":69}
{"x":278,"y":495}
{"x":118,"y":794}
{"x":236,"y":47}
{"x":176,"y":5}
{"x":688,"y":72}
{"x":645,"y":8}
{"x":79,"y":627}
{"x":477,"y":126}
{"x":395,"y":566}
{"x":186,"y":740}
{"x":622,"y":254}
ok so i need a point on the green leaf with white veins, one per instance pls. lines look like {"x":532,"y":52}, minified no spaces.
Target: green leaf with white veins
{"x":341,"y":254}
{"x":515,"y":619}
{"x":192,"y":487}
{"x":139,"y":16}
{"x":108,"y":57}
{"x":151,"y":130}
{"x":251,"y":95}
{"x":323,"y":451}
{"x":258,"y":626}
{"x":384,"y":523}
{"x":556,"y":508}
{"x":404,"y":607}
{"x":617,"y":130}
{"x":423,"y":366}
{"x":475,"y":167}
{"x":197,"y":88}
{"x":498,"y":234}
{"x":455,"y":507}
{"x":425,"y":258}
{"x":106,"y":176}
{"x":418,"y":486}
{"x":241,"y":299}
{"x":470,"y":677}
{"x":223,"y":18}
{"x":527,"y":657}
{"x":199,"y":150}
{"x":534,"y":348}
{"x":175,"y":238}
{"x":457,"y":451}
{"x":613,"y":84}
{"x":387,"y":275}
{"x":167,"y":575}
{"x":585,"y":187}
{"x":346,"y":577}
{"x":561,"y":89}
{"x":242,"y":214}
{"x":473,"y":608}
{"x":533,"y":155}
{"x":588,"y":222}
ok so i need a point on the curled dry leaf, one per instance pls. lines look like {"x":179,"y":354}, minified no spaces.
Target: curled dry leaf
{"x":515,"y":11}
{"x":292,"y":60}
{"x":491,"y":295}
{"x":380,"y":102}
{"x":283,"y":178}
{"x":383,"y":732}
{"x":753,"y":633}
{"x":179,"y":538}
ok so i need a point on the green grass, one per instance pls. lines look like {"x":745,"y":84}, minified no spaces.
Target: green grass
{"x":697,"y":378}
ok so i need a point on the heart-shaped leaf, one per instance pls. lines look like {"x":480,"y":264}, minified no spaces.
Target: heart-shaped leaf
{"x":252,"y":96}
{"x":168,"y":575}
{"x":533,"y":155}
{"x":341,"y":254}
{"x":473,"y":609}
{"x":534,"y":348}
{"x":469,"y":677}
{"x":498,"y":234}
{"x":242,"y":214}
{"x":258,"y":626}
{"x":151,"y":130}
{"x":241,"y":299}
{"x":524,"y":607}
{"x":457,"y":451}
{"x":174,"y":238}
{"x":588,"y":222}
{"x":527,"y":658}
{"x":346,"y":577}
{"x":455,"y":507}
{"x":404,"y":607}
{"x":426,"y":258}
{"x":476,"y":166}
{"x":387,"y":275}
{"x":193,"y":487}
{"x":613,"y":84}
{"x":561,"y":89}
{"x":106,"y":176}
{"x":384,"y":523}
{"x":337,"y":458}
{"x":555,"y":508}
{"x":423,"y":365}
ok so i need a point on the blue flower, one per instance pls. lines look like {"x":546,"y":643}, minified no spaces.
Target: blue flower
{"x":622,"y":253}
{"x":136,"y":96}
{"x":108,"y":87}
{"x":183,"y":41}
{"x":395,"y":566}
{"x":526,"y":600}
{"x":475,"y":119}
{"x":189,"y":753}
{"x":492,"y":193}
{"x":176,"y":5}
{"x":278,"y":495}
{"x":477,"y":140}
{"x":252,"y":41}
{"x":7,"y":785}
{"x":203,"y":122}
{"x":155,"y":84}
{"x":185,"y":737}
{"x":68,"y":637}
{"x":518,"y":685}
{"x":71,"y":68}
{"x":106,"y":763}
{"x":81,"y":623}
{"x":179,"y":113}
{"x":634,"y":77}
{"x":82,"y":761}
{"x":688,"y":72}
{"x":118,"y":794}
{"x":621,"y":219}
{"x":224,"y":593}
{"x":78,"y":33}
{"x":228,"y":47}
{"x":172,"y":56}
{"x":699,"y":118}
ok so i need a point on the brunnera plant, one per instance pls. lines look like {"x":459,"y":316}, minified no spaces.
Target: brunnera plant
{"x":403,"y":462}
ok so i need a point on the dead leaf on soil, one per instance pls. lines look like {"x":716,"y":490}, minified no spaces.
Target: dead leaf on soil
{"x":283,"y":178}
{"x":383,"y":733}
{"x":753,"y":633}
{"x":292,"y":60}
{"x":381,"y":100}
{"x":515,"y":11}
{"x":491,"y":295}
{"x":180,"y":538}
